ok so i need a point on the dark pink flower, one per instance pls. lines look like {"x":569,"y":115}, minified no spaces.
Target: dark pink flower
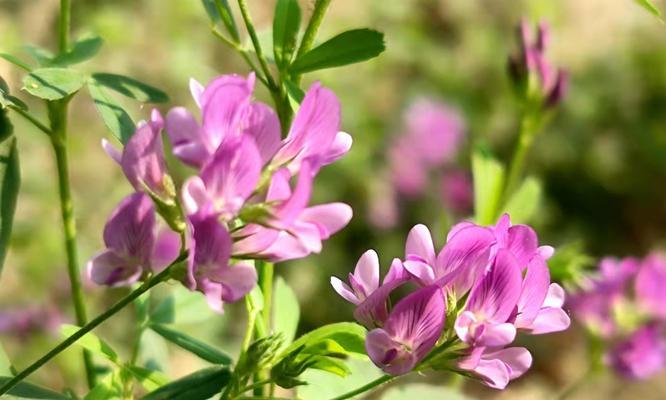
{"x":641,"y":355}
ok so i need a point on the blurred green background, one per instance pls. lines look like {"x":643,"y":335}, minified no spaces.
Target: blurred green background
{"x":602,"y":160}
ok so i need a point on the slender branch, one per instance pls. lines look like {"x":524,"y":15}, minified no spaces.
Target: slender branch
{"x":58,"y":118}
{"x":147,"y":285}
{"x":243,"y":53}
{"x":377,"y":382}
{"x":525,"y":139}
{"x":245,"y":13}
{"x":64,"y":24}
{"x":252,"y":386}
{"x":311,"y":31}
{"x":31,"y":119}
{"x":265,"y":271}
{"x":251,"y":318}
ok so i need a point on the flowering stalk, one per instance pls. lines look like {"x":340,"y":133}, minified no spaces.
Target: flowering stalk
{"x":528,"y":129}
{"x":58,"y":119}
{"x":147,"y":285}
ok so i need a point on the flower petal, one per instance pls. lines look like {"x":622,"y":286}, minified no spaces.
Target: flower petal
{"x":388,"y":355}
{"x":167,"y":248}
{"x":130,"y":230}
{"x":534,"y":290}
{"x":517,"y":359}
{"x":142,"y":160}
{"x":188,"y":140}
{"x":340,"y":146}
{"x":329,"y":218}
{"x":109,"y":268}
{"x":550,"y":320}
{"x":264,"y":126}
{"x":344,"y":290}
{"x":419,"y":243}
{"x":367,"y":272}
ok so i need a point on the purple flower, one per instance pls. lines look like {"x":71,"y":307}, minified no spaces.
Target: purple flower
{"x":315,"y":133}
{"x":410,"y":332}
{"x":227,"y":113}
{"x":132,"y":246}
{"x":226,"y":181}
{"x":531,"y":70}
{"x":491,"y":302}
{"x":142,"y":158}
{"x":362,"y":282}
{"x":209,"y":270}
{"x":641,"y":355}
{"x":650,"y":287}
{"x":497,"y":367}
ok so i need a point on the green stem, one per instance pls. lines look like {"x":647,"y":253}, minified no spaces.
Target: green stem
{"x":320,"y":8}
{"x":31,"y":119}
{"x":64,"y":24}
{"x":58,"y":118}
{"x":377,"y":382}
{"x":236,"y":46}
{"x":525,"y":139}
{"x":245,"y":13}
{"x":147,"y":285}
{"x":251,"y":318}
{"x":265,"y":271}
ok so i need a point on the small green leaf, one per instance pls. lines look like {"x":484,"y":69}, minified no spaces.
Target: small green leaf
{"x":200,"y":385}
{"x":16,"y":61}
{"x":90,"y":342}
{"x":82,"y":50}
{"x":130,"y":87}
{"x":10,"y":179}
{"x":41,"y":55}
{"x":195,"y":346}
{"x":650,"y":7}
{"x":114,"y":116}
{"x":286,"y":24}
{"x":27,"y":390}
{"x":295,"y":95}
{"x":346,"y":48}
{"x":219,"y":10}
{"x":148,"y":378}
{"x":287,"y":311}
{"x":109,"y":388}
{"x":488,"y":187}
{"x":348,"y":335}
{"x":53,"y":83}
{"x":525,"y":201}
{"x":7,"y":100}
{"x":331,"y":365}
{"x":5,"y":364}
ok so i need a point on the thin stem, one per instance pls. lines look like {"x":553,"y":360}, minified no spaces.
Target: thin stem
{"x":252,"y":386}
{"x":525,"y":139}
{"x":251,"y":318}
{"x":320,"y":8}
{"x":150,"y":283}
{"x":31,"y":119}
{"x":265,"y":271}
{"x":58,"y":117}
{"x":377,"y":382}
{"x":64,"y":24}
{"x":245,"y":13}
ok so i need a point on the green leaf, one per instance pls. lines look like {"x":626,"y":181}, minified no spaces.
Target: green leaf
{"x":82,"y":50}
{"x":148,"y":378}
{"x":286,"y":24}
{"x":488,"y":186}
{"x":350,"y":337}
{"x":219,"y":10}
{"x":39,"y":54}
{"x":181,"y":307}
{"x":153,"y":351}
{"x":195,"y":346}
{"x":525,"y":201}
{"x":7,"y":100}
{"x":346,"y":48}
{"x":10,"y":178}
{"x":295,"y":95}
{"x":199,"y":385}
{"x":5,"y":364}
{"x":16,"y":61}
{"x":256,"y":300}
{"x":53,"y":83}
{"x":109,"y":388}
{"x":30,"y":391}
{"x":90,"y":342}
{"x":114,"y":116}
{"x":331,"y":365}
{"x":324,"y":385}
{"x":130,"y":87}
{"x":650,"y":7}
{"x":287,"y":311}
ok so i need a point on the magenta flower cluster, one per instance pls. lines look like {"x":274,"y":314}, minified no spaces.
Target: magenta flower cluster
{"x":248,"y":199}
{"x":470,"y":300}
{"x":625,"y":305}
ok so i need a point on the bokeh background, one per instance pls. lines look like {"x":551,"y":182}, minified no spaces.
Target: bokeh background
{"x":602,"y":160}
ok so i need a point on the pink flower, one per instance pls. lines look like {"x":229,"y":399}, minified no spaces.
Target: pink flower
{"x":497,"y":367}
{"x":650,"y":286}
{"x":410,"y":332}
{"x":132,"y":245}
{"x":641,"y":355}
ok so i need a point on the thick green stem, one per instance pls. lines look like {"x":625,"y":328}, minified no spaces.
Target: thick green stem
{"x":64,"y":24}
{"x":162,"y":276}
{"x":58,"y":118}
{"x":377,"y":382}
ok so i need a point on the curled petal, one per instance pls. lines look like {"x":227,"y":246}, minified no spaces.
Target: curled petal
{"x":115,"y":154}
{"x":344,"y":290}
{"x":366,"y":273}
{"x":224,"y":106}
{"x":419,"y":243}
{"x":388,"y":354}
{"x":555,"y":296}
{"x":340,"y":146}
{"x":130,"y":230}
{"x":329,"y":218}
{"x":109,"y":268}
{"x":263,"y":125}
{"x":420,"y":271}
{"x":189,"y":141}
{"x":236,"y":281}
{"x":196,"y":90}
{"x":550,"y":320}
{"x":195,"y":197}
{"x":534,"y":290}
{"x":143,"y":159}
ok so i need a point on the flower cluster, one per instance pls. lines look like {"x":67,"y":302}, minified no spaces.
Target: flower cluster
{"x":471,"y":298}
{"x":433,"y":135}
{"x":625,"y":305}
{"x":532,"y":72}
{"x":248,"y":199}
